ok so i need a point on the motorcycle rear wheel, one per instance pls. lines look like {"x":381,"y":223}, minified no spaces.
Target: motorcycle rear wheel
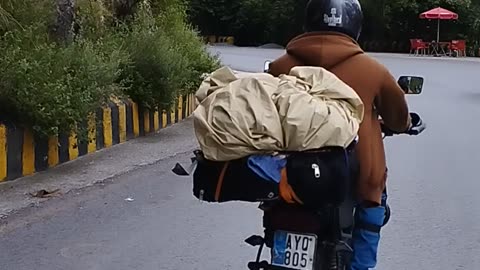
{"x":336,"y":261}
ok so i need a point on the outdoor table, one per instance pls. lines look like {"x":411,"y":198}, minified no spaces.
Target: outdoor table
{"x":438,"y":48}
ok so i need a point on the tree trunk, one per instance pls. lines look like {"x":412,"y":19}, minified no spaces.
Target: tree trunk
{"x":63,"y":29}
{"x":125,"y":9}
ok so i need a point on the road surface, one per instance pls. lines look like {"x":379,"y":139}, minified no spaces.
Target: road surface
{"x":433,"y":185}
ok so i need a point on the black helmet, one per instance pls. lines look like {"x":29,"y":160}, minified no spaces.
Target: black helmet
{"x":344,"y":16}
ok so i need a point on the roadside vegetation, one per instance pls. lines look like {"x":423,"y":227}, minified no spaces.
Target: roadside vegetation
{"x":63,"y":59}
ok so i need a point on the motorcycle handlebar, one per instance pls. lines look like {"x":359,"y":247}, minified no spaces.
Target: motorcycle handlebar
{"x":390,"y":133}
{"x":386,"y":131}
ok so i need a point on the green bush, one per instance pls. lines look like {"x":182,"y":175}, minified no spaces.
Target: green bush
{"x":189,"y":44}
{"x":51,"y":88}
{"x":152,"y":76}
{"x":167,"y":58}
{"x":94,"y":18}
{"x":18,"y":14}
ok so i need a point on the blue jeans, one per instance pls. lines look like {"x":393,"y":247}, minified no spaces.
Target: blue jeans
{"x":366,"y":236}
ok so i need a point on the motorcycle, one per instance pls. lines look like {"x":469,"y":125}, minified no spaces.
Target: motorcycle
{"x":307,"y":239}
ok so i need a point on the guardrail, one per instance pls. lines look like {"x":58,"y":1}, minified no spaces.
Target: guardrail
{"x":22,"y":153}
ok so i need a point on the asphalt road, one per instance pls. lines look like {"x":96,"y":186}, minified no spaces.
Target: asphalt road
{"x":433,"y":185}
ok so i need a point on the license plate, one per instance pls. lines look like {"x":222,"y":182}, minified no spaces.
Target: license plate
{"x":294,"y":251}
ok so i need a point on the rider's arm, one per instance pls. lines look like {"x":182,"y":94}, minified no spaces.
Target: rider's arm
{"x":391,"y":105}
{"x":283,"y":65}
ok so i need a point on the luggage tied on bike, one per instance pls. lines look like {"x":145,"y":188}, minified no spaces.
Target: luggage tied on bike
{"x":298,"y":183}
{"x":264,"y":137}
{"x":255,"y":113}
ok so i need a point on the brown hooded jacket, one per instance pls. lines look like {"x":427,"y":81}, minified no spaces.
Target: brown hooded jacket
{"x":374,"y":84}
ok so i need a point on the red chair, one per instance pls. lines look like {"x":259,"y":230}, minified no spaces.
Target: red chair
{"x":459,"y":47}
{"x":417,"y":46}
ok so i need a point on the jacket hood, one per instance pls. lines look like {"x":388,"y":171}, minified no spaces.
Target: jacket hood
{"x":324,"y":49}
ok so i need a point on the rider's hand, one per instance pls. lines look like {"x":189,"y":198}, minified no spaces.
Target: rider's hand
{"x":417,"y":126}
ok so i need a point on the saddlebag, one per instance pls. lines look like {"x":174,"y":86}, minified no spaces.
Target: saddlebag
{"x":215,"y":181}
{"x":323,"y":181}
{"x":322,"y":177}
{"x":313,"y":179}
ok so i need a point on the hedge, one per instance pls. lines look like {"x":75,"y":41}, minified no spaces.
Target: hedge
{"x":151,"y":55}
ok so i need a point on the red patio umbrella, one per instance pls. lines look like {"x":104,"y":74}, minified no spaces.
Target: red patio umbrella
{"x":439,"y":14}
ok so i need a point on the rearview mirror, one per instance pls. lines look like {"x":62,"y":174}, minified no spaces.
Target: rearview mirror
{"x":266,"y":66}
{"x":411,"y":84}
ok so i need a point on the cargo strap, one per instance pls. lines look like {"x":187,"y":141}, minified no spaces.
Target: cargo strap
{"x":220,"y":181}
{"x":286,"y":191}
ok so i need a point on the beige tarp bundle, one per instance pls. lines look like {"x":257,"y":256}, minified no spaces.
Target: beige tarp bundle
{"x":255,"y":113}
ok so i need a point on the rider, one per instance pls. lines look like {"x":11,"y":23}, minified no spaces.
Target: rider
{"x":332,"y":30}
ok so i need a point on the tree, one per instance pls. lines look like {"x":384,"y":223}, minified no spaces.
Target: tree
{"x":213,"y":17}
{"x":255,"y":22}
{"x":62,"y":29}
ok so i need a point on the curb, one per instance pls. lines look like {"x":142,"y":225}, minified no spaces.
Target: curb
{"x":421,"y":57}
{"x":23,"y":154}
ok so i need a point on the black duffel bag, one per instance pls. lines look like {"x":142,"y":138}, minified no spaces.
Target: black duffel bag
{"x":215,"y":181}
{"x":322,"y":177}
